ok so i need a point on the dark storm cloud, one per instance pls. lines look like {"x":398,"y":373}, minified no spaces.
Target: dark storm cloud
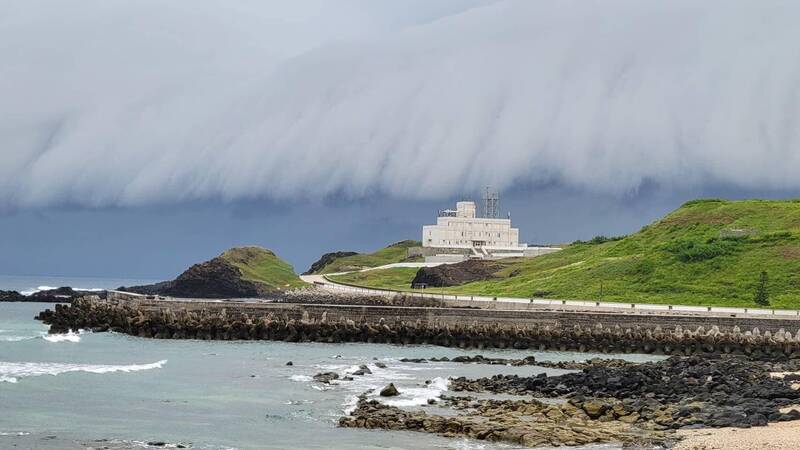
{"x":123,"y":102}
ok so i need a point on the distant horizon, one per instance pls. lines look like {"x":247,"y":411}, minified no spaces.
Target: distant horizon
{"x":605,"y":224}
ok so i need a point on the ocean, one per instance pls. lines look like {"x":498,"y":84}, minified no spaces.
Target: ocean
{"x":107,"y":390}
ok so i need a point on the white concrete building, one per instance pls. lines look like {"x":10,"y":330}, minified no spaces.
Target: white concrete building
{"x":459,"y":234}
{"x":460,"y":228}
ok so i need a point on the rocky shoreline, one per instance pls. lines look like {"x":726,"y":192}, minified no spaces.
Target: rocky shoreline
{"x":57,"y":295}
{"x":527,"y":361}
{"x":638,"y":405}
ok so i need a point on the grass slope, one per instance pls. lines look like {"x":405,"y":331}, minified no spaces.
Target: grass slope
{"x":262,"y":266}
{"x":708,"y":252}
{"x":392,"y":254}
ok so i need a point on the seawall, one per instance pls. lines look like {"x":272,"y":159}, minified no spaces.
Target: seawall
{"x":459,"y":327}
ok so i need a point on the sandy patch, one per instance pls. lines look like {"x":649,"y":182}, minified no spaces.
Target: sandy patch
{"x":775,"y":436}
{"x":782,"y":375}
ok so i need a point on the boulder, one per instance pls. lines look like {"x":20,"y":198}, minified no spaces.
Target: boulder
{"x":326,"y":377}
{"x":362,"y":370}
{"x":389,"y":391}
{"x":456,"y":274}
{"x":594,"y":408}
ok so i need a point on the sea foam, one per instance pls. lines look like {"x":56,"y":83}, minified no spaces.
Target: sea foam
{"x":11,"y":372}
{"x":65,"y":337}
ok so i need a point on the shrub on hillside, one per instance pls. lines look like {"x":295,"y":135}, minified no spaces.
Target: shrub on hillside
{"x":688,"y":250}
{"x":600,"y":240}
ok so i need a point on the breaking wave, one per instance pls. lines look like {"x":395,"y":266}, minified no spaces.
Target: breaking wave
{"x":66,"y":337}
{"x":11,"y":372}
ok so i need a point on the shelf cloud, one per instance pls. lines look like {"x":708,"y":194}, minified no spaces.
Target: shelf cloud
{"x":138,"y":102}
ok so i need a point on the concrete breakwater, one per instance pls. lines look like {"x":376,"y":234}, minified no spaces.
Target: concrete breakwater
{"x":452,"y":327}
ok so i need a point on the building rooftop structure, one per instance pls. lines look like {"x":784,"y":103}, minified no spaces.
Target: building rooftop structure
{"x":462,"y":228}
{"x":460,"y":234}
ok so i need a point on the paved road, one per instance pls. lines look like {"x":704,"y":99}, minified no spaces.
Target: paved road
{"x":323,"y":282}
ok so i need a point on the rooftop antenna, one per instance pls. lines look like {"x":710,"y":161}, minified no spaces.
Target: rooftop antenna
{"x":491,"y":204}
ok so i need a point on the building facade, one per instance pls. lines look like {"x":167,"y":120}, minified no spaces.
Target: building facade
{"x":460,"y":228}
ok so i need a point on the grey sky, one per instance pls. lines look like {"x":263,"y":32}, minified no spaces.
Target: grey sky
{"x":134,"y":109}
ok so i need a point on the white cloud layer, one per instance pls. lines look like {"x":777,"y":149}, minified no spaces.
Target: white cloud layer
{"x":131,"y":102}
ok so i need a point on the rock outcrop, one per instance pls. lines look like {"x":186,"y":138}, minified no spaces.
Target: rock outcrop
{"x":225,"y":277}
{"x":528,"y":423}
{"x":638,"y":405}
{"x":216,"y":278}
{"x":527,"y":361}
{"x":58,"y":295}
{"x":674,"y":393}
{"x":13,"y":296}
{"x":456,"y":274}
{"x":326,"y":259}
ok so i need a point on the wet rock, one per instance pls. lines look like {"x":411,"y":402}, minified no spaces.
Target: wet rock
{"x":724,"y":392}
{"x":289,"y":363}
{"x":528,"y":423}
{"x":389,"y":391}
{"x":380,"y":365}
{"x":326,"y":377}
{"x":362,"y":370}
{"x":594,"y":408}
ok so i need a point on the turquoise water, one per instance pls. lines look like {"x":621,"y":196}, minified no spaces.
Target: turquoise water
{"x":95,"y":390}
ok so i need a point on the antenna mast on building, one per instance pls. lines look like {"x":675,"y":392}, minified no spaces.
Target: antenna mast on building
{"x":491,"y":204}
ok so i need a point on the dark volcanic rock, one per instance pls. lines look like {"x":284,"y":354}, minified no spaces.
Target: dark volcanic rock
{"x":456,"y":274}
{"x":389,"y":391}
{"x":12,"y":296}
{"x":149,"y":289}
{"x":326,"y":259}
{"x":216,"y":278}
{"x":326,"y":377}
{"x":58,"y":295}
{"x":673,"y":393}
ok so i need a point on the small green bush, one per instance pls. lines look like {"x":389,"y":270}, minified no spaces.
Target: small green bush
{"x":689,"y":251}
{"x":600,"y":240}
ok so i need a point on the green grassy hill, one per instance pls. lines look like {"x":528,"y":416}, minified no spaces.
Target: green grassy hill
{"x":263,"y":266}
{"x":708,"y":252}
{"x":394,"y":253}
